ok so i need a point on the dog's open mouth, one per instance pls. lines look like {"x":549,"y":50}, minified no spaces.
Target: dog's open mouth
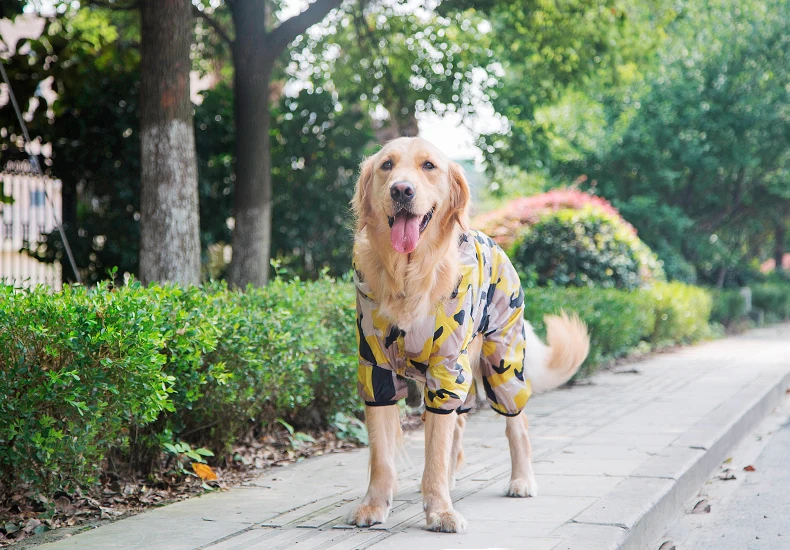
{"x":406,"y":229}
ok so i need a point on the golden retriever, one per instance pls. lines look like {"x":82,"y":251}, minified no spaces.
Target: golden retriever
{"x":440,"y":303}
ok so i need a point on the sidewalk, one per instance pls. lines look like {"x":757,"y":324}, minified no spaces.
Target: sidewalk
{"x":616,"y":462}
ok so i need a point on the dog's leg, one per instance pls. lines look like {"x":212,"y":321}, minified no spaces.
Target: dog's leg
{"x":383,"y":431}
{"x":522,"y":478}
{"x":457,"y":452}
{"x":439,"y":512}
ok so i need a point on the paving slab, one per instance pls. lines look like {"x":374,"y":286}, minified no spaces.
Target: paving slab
{"x":616,"y":461}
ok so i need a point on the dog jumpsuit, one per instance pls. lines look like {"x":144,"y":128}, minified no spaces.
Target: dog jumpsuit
{"x":488,"y":301}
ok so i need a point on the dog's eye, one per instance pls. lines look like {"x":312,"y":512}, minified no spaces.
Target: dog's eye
{"x":428,"y":165}
{"x":387,"y":165}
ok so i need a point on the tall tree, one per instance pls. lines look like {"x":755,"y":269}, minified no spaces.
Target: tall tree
{"x":256,"y":49}
{"x":169,"y":224}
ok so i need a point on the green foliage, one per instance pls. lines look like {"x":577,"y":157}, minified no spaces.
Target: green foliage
{"x":284,"y":352}
{"x":350,"y":428}
{"x":729,"y":307}
{"x":183,"y":451}
{"x":773,"y":299}
{"x":698,"y":155}
{"x":682,"y":313}
{"x":540,"y":50}
{"x":79,"y":370}
{"x":621,"y":320}
{"x":317,"y":145}
{"x":92,"y":126}
{"x":584,"y":247}
{"x":133,"y":369}
{"x":617,"y":319}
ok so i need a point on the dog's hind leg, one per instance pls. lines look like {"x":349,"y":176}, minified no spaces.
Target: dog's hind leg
{"x":522,"y":478}
{"x":383,"y":434}
{"x":457,"y":452}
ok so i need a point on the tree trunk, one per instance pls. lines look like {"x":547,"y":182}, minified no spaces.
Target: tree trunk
{"x":253,"y":193}
{"x":68,"y":219}
{"x":169,"y":223}
{"x":779,"y":246}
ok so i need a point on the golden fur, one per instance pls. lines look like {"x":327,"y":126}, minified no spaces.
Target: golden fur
{"x":408,"y":287}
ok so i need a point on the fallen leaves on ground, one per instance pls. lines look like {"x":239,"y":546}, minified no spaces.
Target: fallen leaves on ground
{"x":204,"y":471}
{"x":727,"y":475}
{"x":25,"y":512}
{"x":748,"y":468}
{"x":702,"y":507}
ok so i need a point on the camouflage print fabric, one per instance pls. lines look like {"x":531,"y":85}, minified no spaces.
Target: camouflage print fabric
{"x":488,"y":300}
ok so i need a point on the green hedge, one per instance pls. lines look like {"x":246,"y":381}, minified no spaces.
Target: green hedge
{"x":617,"y":319}
{"x":620,"y":320}
{"x":78,"y":371}
{"x":87,"y":371}
{"x":773,"y":299}
{"x":682,"y":313}
{"x":729,"y":307}
{"x":127,"y":369}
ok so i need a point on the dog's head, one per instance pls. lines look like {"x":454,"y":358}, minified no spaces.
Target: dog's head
{"x":411,"y":189}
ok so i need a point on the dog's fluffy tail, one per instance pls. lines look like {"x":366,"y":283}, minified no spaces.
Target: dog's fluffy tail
{"x":550,"y":366}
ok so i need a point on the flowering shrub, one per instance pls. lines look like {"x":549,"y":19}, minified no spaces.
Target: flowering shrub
{"x":569,"y":238}
{"x":504,"y":224}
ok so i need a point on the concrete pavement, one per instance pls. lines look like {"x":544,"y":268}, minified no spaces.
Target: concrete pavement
{"x":751,"y":511}
{"x":615,"y":460}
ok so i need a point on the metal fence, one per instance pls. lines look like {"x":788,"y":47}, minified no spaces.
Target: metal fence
{"x":23,"y":221}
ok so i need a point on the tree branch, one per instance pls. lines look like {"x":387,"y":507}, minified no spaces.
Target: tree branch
{"x":110,"y":5}
{"x":213,"y":24}
{"x":289,"y":29}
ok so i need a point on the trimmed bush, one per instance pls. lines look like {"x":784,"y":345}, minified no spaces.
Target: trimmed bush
{"x":729,"y":307}
{"x":617,"y":320}
{"x":773,"y":299}
{"x":620,"y":320}
{"x":504,"y":224}
{"x":126,"y":369}
{"x":682,"y":313}
{"x":586,"y":247}
{"x":569,"y":238}
{"x":286,"y":351}
{"x":78,"y":370}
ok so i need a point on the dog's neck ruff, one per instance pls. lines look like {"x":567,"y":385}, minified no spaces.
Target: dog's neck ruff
{"x":410,"y":287}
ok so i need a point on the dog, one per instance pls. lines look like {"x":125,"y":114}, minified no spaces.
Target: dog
{"x":441,"y":303}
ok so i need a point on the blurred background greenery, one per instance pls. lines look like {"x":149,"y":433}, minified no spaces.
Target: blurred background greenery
{"x":677,"y":113}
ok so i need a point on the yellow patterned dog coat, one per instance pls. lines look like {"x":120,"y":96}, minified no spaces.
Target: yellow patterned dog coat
{"x":488,"y":301}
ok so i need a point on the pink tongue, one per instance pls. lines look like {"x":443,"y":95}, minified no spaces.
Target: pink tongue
{"x":404,"y":233}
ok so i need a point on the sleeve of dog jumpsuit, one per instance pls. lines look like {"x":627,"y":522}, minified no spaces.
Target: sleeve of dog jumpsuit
{"x":449,"y":375}
{"x":377,"y":381}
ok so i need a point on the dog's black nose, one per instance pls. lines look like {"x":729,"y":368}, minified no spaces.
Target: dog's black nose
{"x":402,"y":191}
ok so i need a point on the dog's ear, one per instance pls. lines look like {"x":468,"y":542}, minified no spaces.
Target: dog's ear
{"x":360,"y":204}
{"x":460,"y":197}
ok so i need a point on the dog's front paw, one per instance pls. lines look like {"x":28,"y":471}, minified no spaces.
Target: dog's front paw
{"x":522,"y":487}
{"x":446,"y":522}
{"x":367,"y":515}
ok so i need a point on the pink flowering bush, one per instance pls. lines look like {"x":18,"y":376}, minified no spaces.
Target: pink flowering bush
{"x":566,"y":237}
{"x":504,"y":224}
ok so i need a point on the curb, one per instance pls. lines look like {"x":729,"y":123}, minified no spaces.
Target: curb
{"x":672,"y":479}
